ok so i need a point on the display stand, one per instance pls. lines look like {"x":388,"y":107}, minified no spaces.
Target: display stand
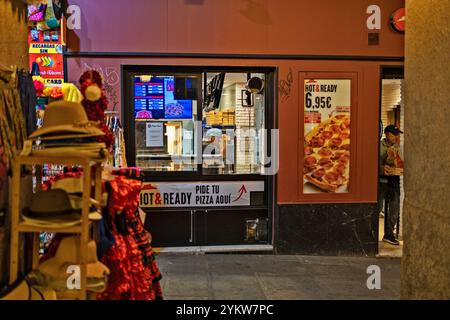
{"x":19,"y":226}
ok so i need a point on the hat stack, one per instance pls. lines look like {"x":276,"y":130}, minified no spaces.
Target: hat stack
{"x":55,"y":273}
{"x":27,"y":290}
{"x":67,"y":131}
{"x":59,"y":207}
{"x":51,"y":209}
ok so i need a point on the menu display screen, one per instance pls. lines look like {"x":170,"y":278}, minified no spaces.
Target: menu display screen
{"x":154,"y":99}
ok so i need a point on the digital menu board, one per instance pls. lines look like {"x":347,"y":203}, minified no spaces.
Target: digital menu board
{"x":155,"y":95}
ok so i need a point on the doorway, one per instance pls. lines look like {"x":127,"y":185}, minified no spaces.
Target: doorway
{"x":392,"y":113}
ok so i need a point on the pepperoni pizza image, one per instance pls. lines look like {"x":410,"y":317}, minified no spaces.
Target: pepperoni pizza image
{"x":327,"y":155}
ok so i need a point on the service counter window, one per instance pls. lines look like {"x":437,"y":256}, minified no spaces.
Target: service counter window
{"x":208,"y":123}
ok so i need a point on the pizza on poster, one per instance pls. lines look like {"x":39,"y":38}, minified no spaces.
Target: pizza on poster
{"x":326,"y":162}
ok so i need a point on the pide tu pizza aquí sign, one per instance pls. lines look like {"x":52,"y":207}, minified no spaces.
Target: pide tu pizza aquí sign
{"x":198,"y":194}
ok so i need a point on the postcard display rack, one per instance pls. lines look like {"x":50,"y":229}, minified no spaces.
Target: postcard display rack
{"x":89,"y":165}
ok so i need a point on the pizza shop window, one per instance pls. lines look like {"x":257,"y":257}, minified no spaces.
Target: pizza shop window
{"x":211,"y":123}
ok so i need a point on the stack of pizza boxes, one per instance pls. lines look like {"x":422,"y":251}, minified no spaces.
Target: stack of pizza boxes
{"x":213,"y":118}
{"x":228,"y":117}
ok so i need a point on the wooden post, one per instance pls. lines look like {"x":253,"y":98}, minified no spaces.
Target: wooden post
{"x":84,"y":238}
{"x":98,"y":184}
{"x":15,"y":216}
{"x":36,"y":247}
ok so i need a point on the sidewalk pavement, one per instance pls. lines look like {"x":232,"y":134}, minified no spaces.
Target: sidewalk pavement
{"x":274,"y":277}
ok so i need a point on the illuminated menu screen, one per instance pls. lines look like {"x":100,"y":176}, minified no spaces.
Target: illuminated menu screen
{"x":154,"y":98}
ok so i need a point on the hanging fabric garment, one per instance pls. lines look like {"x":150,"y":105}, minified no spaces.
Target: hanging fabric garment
{"x":12,"y":124}
{"x":12,"y":136}
{"x":134,"y":273}
{"x":119,"y":154}
{"x":12,"y":129}
{"x":28,"y":100}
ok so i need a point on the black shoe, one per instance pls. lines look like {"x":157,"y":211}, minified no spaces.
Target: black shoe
{"x":391,"y":239}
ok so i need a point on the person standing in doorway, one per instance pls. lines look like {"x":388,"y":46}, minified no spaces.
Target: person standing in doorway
{"x":391,"y":167}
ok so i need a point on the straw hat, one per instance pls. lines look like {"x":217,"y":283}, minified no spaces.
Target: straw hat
{"x":74,"y":187}
{"x":70,"y":185}
{"x":97,"y":151}
{"x":65,"y":119}
{"x":25,"y":291}
{"x":56,"y":208}
{"x":68,"y":253}
{"x":50,"y":204}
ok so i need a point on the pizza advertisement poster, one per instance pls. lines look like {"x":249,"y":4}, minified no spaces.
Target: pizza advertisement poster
{"x":326,"y":163}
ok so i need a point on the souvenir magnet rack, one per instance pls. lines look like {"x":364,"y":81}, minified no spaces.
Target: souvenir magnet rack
{"x":83,"y":228}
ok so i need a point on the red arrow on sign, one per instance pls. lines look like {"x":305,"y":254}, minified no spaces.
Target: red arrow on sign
{"x":241,"y":191}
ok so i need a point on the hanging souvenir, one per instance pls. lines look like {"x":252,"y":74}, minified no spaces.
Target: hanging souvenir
{"x":36,"y":12}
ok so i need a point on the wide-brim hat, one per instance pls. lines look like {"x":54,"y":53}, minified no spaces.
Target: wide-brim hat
{"x":64,"y":120}
{"x":68,"y":253}
{"x":25,"y":291}
{"x":60,"y":222}
{"x":57,"y":222}
{"x":51,"y":204}
{"x":70,"y":185}
{"x":59,"y":286}
{"x":97,"y":151}
{"x":77,"y":203}
{"x":74,"y":187}
{"x":94,"y":286}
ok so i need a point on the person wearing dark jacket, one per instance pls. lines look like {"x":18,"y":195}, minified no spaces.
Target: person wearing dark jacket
{"x":389,"y":189}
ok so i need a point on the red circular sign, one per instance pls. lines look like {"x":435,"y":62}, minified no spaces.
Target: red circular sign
{"x":398,"y":20}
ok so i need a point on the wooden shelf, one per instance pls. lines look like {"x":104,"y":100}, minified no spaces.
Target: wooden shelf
{"x":18,"y":225}
{"x":27,"y":227}
{"x":59,"y":159}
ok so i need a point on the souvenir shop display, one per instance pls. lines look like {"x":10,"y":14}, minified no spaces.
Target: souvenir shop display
{"x":66,"y":137}
{"x":123,"y":245}
{"x":77,"y":215}
{"x":63,"y":135}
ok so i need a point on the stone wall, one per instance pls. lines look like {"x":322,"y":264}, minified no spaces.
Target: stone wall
{"x":426,"y":258}
{"x":13,"y":33}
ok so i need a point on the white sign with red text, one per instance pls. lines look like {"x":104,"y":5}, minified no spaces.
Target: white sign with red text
{"x":198,"y":194}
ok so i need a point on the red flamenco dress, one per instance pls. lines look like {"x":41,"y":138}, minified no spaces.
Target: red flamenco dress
{"x":134,"y":273}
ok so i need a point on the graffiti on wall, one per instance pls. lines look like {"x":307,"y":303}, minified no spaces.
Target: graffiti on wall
{"x":285,"y":86}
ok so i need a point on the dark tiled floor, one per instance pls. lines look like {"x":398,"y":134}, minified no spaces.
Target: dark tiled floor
{"x":274,"y":277}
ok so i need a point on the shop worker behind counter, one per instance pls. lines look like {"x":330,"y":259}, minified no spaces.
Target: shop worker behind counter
{"x":391,"y":167}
